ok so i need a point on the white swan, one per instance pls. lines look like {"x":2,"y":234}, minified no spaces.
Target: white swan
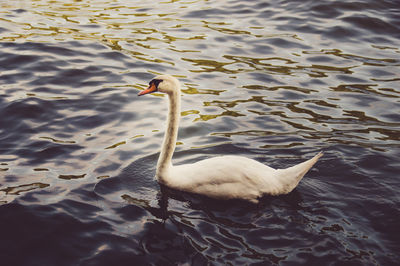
{"x":224,"y":177}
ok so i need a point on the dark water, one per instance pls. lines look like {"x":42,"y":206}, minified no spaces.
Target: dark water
{"x":274,"y":81}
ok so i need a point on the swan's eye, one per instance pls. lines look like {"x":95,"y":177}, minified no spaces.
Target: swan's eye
{"x":155,"y":82}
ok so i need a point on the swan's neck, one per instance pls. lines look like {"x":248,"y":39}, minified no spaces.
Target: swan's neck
{"x":168,"y":147}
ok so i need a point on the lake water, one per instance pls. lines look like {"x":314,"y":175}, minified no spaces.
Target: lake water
{"x":275,"y":81}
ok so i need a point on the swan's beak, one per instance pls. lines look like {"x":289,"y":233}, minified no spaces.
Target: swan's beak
{"x":150,"y":89}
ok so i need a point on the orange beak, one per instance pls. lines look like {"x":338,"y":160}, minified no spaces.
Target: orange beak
{"x":150,"y":89}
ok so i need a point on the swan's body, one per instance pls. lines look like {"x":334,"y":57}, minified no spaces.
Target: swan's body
{"x":223,"y":177}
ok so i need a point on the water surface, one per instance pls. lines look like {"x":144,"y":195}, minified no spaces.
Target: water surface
{"x":276,"y":82}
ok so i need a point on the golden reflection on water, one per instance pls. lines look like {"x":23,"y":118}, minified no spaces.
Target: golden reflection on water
{"x":141,"y":30}
{"x":23,"y":188}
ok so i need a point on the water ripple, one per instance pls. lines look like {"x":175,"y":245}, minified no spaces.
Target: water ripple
{"x":275,"y":82}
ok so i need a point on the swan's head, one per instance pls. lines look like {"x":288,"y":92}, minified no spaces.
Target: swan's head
{"x":163,"y":83}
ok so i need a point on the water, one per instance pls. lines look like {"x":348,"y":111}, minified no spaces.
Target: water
{"x":276,"y":82}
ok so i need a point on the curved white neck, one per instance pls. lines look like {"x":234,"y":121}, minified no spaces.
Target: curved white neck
{"x":164,"y":163}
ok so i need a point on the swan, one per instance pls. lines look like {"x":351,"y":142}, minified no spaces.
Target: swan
{"x":223,"y":177}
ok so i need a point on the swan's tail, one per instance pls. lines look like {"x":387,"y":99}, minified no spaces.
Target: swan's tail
{"x":290,"y":177}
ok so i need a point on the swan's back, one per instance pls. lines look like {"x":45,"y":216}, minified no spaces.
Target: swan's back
{"x":231,"y":177}
{"x":225,"y":177}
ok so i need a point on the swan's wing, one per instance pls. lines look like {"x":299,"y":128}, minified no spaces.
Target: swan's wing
{"x":239,"y":177}
{"x":225,"y":177}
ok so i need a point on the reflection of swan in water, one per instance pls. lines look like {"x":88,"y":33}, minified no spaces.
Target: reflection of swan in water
{"x":224,"y":177}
